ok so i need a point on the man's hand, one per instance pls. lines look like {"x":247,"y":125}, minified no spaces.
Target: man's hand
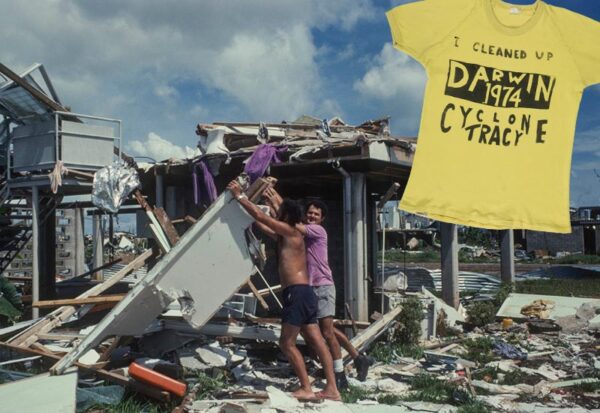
{"x":235,"y":188}
{"x":273,"y":199}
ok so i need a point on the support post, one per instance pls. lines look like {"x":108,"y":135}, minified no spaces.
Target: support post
{"x":98,"y":245}
{"x":35,"y":249}
{"x":449,"y":263}
{"x":507,"y":256}
{"x":358,"y":270}
{"x":160,"y":191}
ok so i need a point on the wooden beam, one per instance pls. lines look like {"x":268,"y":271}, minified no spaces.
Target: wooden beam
{"x":40,"y":96}
{"x":167,"y":225}
{"x":366,"y":337}
{"x":79,"y":301}
{"x":261,"y":300}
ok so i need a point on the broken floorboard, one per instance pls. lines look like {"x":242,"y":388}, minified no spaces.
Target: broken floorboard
{"x":210,"y":262}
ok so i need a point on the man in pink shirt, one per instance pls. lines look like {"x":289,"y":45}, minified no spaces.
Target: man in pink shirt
{"x":321,"y":279}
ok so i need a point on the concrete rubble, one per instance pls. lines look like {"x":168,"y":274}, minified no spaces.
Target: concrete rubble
{"x":499,"y":368}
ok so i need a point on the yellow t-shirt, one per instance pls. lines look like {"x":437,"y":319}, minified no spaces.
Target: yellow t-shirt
{"x":501,"y":101}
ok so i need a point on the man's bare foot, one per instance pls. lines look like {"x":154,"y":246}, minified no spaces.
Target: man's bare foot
{"x":329,"y":395}
{"x":302,"y":394}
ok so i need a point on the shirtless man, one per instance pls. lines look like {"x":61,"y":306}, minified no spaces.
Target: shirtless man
{"x":321,"y":279}
{"x":299,"y":300}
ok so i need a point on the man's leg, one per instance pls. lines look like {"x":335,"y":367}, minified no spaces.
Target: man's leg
{"x":287,"y":342}
{"x":343,"y":341}
{"x":361,"y":362}
{"x":314,"y":338}
{"x":328,"y":331}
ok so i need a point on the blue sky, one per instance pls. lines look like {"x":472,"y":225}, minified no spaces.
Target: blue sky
{"x":164,"y":66}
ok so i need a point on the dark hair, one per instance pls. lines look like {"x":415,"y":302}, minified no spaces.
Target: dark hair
{"x":317,"y":204}
{"x":290,"y":212}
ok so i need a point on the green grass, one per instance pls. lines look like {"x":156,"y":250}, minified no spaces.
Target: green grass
{"x":209,"y":386}
{"x":388,"y":398}
{"x":486,"y":371}
{"x":578,"y":259}
{"x":513,"y":377}
{"x":353,"y":394}
{"x":130,"y":405}
{"x":429,"y":389}
{"x":474,"y":407}
{"x":387,"y":352}
{"x":586,"y":387}
{"x":479,"y":350}
{"x":586,"y":287}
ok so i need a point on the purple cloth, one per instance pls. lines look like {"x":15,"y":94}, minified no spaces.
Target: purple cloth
{"x":262,"y":157}
{"x":205,"y":189}
{"x":317,"y":263}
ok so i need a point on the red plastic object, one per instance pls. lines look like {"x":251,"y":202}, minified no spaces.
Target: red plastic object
{"x":155,"y":379}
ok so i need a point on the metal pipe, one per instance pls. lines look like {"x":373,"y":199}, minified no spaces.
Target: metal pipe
{"x":35,"y":249}
{"x":349,"y":293}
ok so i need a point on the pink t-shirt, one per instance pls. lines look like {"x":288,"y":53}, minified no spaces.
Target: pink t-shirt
{"x":317,"y":263}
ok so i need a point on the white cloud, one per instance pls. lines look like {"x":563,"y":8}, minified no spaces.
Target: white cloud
{"x":127,"y":59}
{"x":165,"y":91}
{"x":396,"y":83}
{"x":275,"y":78}
{"x":393,"y":75}
{"x":159,"y":148}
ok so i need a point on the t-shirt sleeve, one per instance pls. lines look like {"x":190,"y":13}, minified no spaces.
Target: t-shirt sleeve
{"x":315,"y":231}
{"x":582,"y":37}
{"x":417,"y":26}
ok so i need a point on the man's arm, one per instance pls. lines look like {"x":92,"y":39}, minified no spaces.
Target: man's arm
{"x":278,"y":227}
{"x":301,"y":228}
{"x":266,"y":230}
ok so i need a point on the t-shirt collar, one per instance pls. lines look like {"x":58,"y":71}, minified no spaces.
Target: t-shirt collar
{"x":538,"y":6}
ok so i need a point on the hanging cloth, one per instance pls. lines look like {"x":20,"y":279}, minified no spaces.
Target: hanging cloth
{"x":262,"y":158}
{"x":204,"y":189}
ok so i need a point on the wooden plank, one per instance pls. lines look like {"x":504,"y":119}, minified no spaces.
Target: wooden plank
{"x":159,"y":235}
{"x":56,"y":318}
{"x":261,"y":300}
{"x":59,"y":336}
{"x":79,"y":301}
{"x":361,"y":341}
{"x":352,"y":323}
{"x":166,"y":225}
{"x":259,"y":186}
{"x":103,"y":374}
{"x":267,"y":291}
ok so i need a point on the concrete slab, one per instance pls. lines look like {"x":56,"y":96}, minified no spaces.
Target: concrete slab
{"x":563,"y":306}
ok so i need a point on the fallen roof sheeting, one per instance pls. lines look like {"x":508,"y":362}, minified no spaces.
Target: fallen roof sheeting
{"x":209,"y":263}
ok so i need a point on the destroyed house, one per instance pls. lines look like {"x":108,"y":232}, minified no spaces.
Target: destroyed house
{"x":584,"y":237}
{"x":348,"y":167}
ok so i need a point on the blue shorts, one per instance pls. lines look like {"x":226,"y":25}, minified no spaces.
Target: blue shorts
{"x":299,"y":305}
